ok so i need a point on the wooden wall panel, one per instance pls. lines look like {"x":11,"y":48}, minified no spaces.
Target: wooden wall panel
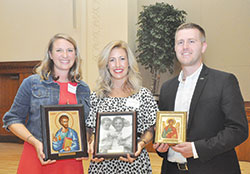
{"x":243,"y":150}
{"x":11,"y":76}
{"x":9,"y":85}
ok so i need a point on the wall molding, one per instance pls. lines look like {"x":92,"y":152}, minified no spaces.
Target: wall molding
{"x":17,"y":66}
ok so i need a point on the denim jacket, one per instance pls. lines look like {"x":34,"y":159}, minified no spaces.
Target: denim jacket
{"x":34,"y":92}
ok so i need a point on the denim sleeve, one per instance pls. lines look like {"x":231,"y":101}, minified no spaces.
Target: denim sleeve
{"x":19,"y":109}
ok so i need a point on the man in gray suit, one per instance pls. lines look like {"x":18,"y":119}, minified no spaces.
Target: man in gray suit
{"x":216,"y":117}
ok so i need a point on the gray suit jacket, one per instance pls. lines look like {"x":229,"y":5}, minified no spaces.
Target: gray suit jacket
{"x":217,"y":121}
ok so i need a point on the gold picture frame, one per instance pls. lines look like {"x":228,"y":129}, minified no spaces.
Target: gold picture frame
{"x":171,"y":127}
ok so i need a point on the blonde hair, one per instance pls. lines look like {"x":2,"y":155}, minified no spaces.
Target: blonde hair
{"x":193,"y":26}
{"x":46,"y":67}
{"x":104,"y":82}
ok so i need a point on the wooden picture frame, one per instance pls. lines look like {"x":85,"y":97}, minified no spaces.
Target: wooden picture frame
{"x":58,"y":144}
{"x":115,"y":134}
{"x":171,"y":127}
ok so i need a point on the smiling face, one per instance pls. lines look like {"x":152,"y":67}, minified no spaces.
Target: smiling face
{"x":118,"y":64}
{"x":106,"y":124}
{"x":189,"y":47}
{"x":118,"y":125}
{"x":63,"y":55}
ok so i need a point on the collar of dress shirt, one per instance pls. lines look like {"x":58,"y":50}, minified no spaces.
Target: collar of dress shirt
{"x":195,"y":75}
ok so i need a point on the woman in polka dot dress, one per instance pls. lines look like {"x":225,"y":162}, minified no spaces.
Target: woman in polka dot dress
{"x":118,"y":90}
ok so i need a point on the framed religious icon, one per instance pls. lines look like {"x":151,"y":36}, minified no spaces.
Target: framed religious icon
{"x":115,"y":134}
{"x":171,"y":127}
{"x":63,"y":131}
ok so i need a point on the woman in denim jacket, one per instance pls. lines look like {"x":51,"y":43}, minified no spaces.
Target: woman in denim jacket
{"x":57,"y":81}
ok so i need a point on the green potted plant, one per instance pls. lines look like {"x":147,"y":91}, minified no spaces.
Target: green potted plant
{"x":155,"y":38}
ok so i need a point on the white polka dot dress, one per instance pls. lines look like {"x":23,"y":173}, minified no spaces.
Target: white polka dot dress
{"x":146,"y":108}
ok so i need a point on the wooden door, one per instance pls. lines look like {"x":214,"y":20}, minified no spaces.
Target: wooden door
{"x":9,"y":86}
{"x":11,"y":76}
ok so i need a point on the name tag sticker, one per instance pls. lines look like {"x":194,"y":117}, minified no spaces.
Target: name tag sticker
{"x":132,"y":103}
{"x":71,"y":88}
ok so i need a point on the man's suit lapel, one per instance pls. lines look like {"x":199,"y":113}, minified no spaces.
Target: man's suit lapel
{"x":173,"y":92}
{"x":197,"y":93}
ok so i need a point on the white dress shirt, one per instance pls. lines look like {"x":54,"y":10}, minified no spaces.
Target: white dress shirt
{"x":182,"y":103}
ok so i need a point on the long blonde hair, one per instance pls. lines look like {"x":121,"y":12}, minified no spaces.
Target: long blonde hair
{"x":46,"y":67}
{"x":104,"y":82}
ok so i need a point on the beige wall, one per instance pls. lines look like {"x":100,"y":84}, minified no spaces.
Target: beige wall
{"x":27,"y":25}
{"x":227,"y":27}
{"x":107,"y":20}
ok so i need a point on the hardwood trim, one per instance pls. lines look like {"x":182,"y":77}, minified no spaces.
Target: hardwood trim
{"x":17,"y":67}
{"x":11,"y":139}
{"x":247,"y":109}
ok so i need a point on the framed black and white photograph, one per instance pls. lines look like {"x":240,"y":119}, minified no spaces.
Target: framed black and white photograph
{"x":115,"y":134}
{"x":170,"y":127}
{"x":63,"y":130}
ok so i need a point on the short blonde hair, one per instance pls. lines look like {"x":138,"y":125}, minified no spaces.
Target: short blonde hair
{"x":193,"y":26}
{"x":104,"y":82}
{"x":46,"y":67}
